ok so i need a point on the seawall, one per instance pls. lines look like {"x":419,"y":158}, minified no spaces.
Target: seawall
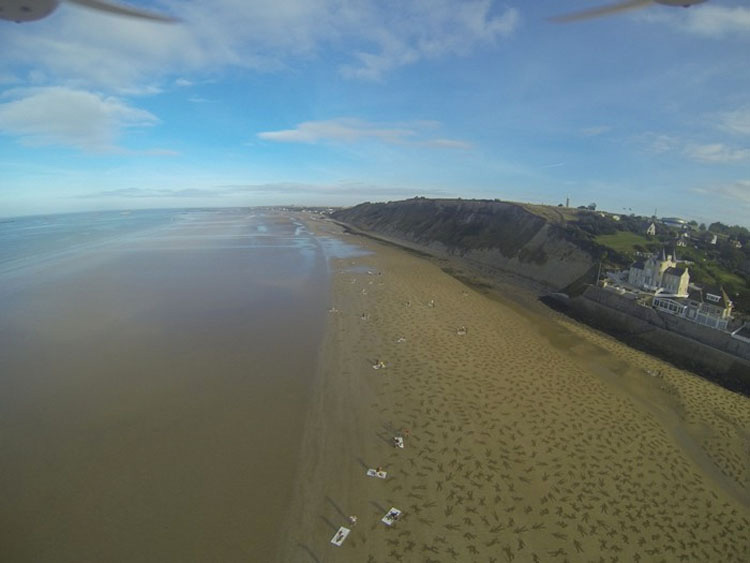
{"x":708,"y":352}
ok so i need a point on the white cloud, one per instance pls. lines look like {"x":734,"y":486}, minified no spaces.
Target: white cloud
{"x":706,"y":20}
{"x":83,"y":48}
{"x":65,"y":116}
{"x":345,"y":130}
{"x":348,"y":130}
{"x":717,"y":153}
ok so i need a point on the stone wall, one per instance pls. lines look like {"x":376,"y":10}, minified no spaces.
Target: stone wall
{"x":715,"y":338}
{"x":708,"y":352}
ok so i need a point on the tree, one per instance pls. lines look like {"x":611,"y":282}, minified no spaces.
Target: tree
{"x":702,"y":227}
{"x":718,"y":227}
{"x":591,"y":206}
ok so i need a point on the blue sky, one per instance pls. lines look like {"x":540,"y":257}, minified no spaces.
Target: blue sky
{"x":334,"y":102}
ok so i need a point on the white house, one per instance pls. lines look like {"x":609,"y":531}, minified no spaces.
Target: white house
{"x":660,"y":274}
{"x":651,"y":230}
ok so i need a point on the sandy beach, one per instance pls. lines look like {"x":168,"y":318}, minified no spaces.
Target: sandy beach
{"x":527,"y":438}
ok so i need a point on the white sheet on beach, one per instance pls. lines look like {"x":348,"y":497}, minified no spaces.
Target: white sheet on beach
{"x":339,"y":537}
{"x":391,"y":516}
{"x":398,"y":441}
{"x":376,"y":473}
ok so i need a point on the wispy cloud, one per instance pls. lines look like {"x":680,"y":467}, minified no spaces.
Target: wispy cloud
{"x":707,"y":20}
{"x":595,"y":131}
{"x":362,"y":189}
{"x":657,"y":143}
{"x":68,"y":117}
{"x":737,"y":121}
{"x":717,"y":153}
{"x":429,"y":29}
{"x":717,"y":21}
{"x":448,"y":144}
{"x":737,"y":192}
{"x":712,"y":153}
{"x":8,"y":78}
{"x":347,"y":130}
{"x":85,"y":49}
{"x":344,"y":129}
{"x":150,"y":193}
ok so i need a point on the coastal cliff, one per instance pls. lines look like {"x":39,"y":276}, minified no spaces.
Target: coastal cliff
{"x":489,"y":235}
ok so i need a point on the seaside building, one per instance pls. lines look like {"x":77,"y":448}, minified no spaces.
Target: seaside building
{"x":709,"y":307}
{"x":660,"y":274}
{"x":666,"y":286}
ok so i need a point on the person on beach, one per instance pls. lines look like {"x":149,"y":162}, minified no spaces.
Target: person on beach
{"x":353,"y":520}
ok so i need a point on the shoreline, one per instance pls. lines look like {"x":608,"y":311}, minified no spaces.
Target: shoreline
{"x":530,"y":436}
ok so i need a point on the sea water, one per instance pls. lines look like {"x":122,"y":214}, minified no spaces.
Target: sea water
{"x":154,"y":373}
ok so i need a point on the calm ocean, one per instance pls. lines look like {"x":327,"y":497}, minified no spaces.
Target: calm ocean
{"x":155,"y":368}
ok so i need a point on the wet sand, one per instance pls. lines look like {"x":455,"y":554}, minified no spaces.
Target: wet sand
{"x":530,"y":438}
{"x":150,"y":408}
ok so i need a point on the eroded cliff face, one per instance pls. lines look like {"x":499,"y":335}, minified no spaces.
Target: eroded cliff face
{"x":491,"y":234}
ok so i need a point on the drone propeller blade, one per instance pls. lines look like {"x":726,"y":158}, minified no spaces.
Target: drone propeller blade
{"x":602,"y":11}
{"x":113,"y":8}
